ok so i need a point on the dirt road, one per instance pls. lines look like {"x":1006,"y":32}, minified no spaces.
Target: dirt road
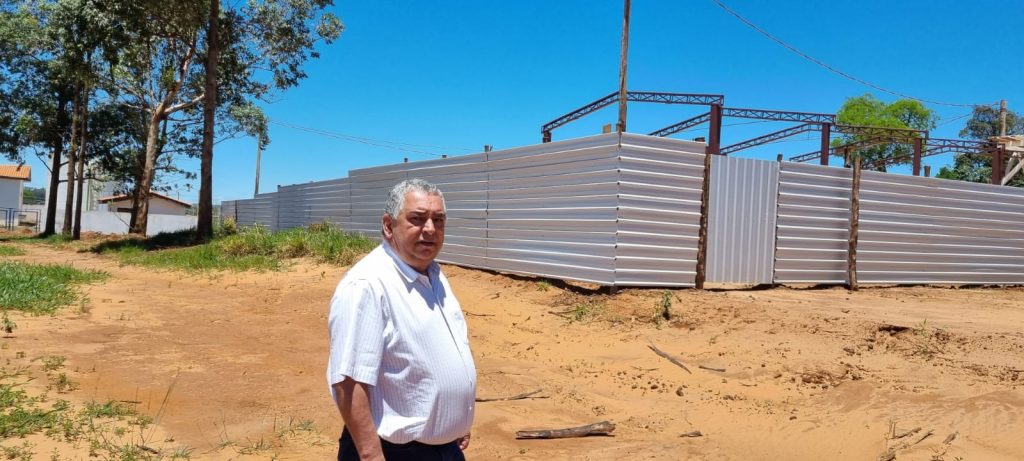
{"x":809,"y":374}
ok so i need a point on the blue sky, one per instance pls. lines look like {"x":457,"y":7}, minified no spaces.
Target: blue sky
{"x":447,"y":77}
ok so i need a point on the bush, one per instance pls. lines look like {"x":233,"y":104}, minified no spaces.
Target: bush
{"x":228,"y":226}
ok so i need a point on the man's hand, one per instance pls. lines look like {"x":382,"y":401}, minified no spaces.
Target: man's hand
{"x":464,"y":442}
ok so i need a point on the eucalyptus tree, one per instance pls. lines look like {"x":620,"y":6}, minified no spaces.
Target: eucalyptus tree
{"x":253,"y":50}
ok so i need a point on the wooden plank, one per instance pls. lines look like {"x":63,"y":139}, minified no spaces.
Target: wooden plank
{"x":851,"y":271}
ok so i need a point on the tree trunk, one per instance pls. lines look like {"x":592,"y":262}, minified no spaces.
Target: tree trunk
{"x":148,"y":172}
{"x":76,"y":232}
{"x":58,"y":152}
{"x":69,"y":189}
{"x":204,"y":224}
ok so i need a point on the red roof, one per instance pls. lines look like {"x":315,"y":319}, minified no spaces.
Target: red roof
{"x":23,"y":172}
{"x":117,"y":198}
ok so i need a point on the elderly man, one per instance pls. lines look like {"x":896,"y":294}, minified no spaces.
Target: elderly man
{"x":400,"y":368}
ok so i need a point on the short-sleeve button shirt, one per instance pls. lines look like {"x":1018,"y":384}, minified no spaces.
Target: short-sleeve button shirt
{"x":404,"y":335}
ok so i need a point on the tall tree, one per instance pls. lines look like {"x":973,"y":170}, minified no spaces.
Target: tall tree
{"x":882,"y":149}
{"x":984,"y":123}
{"x":156,"y":72}
{"x":272,"y":38}
{"x":36,"y":84}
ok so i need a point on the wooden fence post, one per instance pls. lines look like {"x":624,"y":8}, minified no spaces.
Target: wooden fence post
{"x":702,"y":236}
{"x":851,"y":259}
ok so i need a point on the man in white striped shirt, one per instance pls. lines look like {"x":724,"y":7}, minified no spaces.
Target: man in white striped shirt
{"x":400,"y":368}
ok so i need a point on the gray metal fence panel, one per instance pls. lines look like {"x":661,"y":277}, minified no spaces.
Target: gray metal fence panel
{"x":659,"y":211}
{"x":463,"y":181}
{"x":551,"y":209}
{"x":812,"y":228}
{"x":928,"y":230}
{"x":625,"y":210}
{"x":741,"y":220}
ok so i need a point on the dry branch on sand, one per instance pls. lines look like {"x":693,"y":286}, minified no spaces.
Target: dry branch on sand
{"x":668,"y":357}
{"x":525,"y":395}
{"x":600,"y":428}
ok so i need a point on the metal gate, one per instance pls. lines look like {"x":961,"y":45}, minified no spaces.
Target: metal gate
{"x":741,"y":220}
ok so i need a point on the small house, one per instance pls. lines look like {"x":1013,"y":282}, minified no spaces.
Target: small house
{"x":12,"y":181}
{"x":158,"y":204}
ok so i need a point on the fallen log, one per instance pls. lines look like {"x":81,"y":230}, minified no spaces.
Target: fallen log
{"x":525,"y":395}
{"x":668,"y":357}
{"x":601,"y":428}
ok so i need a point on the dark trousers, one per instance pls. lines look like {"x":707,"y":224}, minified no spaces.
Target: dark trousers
{"x":412,"y":451}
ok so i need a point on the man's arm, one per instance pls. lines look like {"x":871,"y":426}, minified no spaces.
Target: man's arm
{"x":354,"y":404}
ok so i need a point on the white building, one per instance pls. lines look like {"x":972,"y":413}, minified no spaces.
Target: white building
{"x":158,"y":204}
{"x":12,"y":183}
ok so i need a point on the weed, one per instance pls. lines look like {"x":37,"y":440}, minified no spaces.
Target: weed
{"x":258,"y":446}
{"x":663,"y":309}
{"x":11,"y":251}
{"x":21,"y":452}
{"x":6,"y":324}
{"x":228,"y":226}
{"x":110,"y":409}
{"x":53,"y":362}
{"x":62,"y":384}
{"x":586,"y":310}
{"x":543,"y":285}
{"x":712,"y":340}
{"x":42,"y":288}
{"x":182,"y":453}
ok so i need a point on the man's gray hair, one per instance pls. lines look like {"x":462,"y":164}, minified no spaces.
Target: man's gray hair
{"x":396,"y":198}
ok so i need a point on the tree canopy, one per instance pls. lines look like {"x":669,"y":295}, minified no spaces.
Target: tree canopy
{"x":983,"y":124}
{"x":121,"y":83}
{"x":877,"y":150}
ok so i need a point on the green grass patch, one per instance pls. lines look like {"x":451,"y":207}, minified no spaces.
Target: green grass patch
{"x":253,"y":248}
{"x":55,"y":239}
{"x":11,"y":251}
{"x":42,"y":288}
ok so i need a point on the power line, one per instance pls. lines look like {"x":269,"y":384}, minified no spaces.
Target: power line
{"x":947,"y":122}
{"x":394,"y":145}
{"x":833,"y":69}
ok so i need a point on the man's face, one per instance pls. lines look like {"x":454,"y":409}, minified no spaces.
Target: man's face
{"x":418,"y":232}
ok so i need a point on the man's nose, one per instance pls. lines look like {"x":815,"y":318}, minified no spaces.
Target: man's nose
{"x":428,"y":226}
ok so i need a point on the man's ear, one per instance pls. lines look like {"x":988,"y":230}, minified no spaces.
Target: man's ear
{"x":386,"y":226}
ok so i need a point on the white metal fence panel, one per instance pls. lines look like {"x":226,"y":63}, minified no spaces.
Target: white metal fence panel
{"x":813,"y":225}
{"x":660,"y":183}
{"x":741,"y":220}
{"x":551,"y":209}
{"x":927,"y":230}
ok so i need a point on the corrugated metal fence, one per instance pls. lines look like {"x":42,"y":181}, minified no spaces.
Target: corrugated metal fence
{"x":625,"y":211}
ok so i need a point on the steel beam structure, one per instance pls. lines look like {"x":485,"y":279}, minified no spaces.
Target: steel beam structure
{"x":779,"y":115}
{"x":770,"y":137}
{"x":683,"y":125}
{"x":632,"y":96}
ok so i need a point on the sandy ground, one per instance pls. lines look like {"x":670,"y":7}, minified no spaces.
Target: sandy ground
{"x":232,"y":361}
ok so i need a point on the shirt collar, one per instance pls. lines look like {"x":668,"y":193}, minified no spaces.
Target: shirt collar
{"x":408,"y":273}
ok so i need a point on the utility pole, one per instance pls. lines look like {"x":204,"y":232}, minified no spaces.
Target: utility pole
{"x":622,"y":70}
{"x":259,"y":153}
{"x":1002,"y":117}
